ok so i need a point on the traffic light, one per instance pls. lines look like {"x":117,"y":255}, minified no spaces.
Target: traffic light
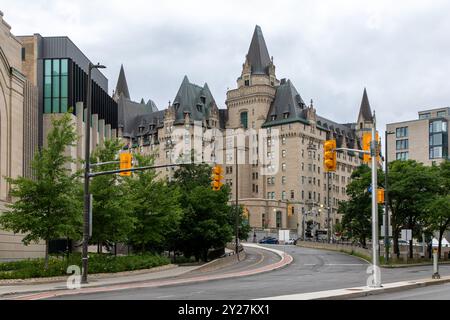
{"x":125,"y":163}
{"x":329,"y":155}
{"x":367,"y":141}
{"x":367,"y":138}
{"x":380,"y":195}
{"x":217,"y":178}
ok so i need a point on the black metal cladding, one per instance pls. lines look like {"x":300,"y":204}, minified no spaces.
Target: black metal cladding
{"x":102,"y":103}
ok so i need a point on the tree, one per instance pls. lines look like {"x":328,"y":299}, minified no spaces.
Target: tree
{"x":112,"y":219}
{"x":206,"y":220}
{"x":243,"y":221}
{"x":357,"y":211}
{"x":155,"y":206}
{"x":438,"y":206}
{"x":48,"y":206}
{"x":411,"y":185}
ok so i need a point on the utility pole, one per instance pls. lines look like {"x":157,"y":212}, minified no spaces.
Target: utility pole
{"x":87,"y":153}
{"x":375,"y":244}
{"x":386,"y":195}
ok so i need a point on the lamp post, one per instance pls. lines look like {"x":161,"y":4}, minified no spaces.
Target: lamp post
{"x":386,"y":208}
{"x":87,"y":172}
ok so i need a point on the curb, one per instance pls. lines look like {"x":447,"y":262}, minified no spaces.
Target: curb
{"x":49,"y":280}
{"x":285,"y":260}
{"x":358,"y":292}
{"x":370,"y":292}
{"x":392,"y":266}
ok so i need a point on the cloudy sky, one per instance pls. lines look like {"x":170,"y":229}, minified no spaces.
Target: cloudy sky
{"x":331,"y":50}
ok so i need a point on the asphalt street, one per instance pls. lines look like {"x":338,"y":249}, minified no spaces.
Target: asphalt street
{"x":312,"y":270}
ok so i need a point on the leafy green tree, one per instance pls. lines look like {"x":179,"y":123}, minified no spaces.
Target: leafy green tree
{"x":112,"y":219}
{"x":438,"y":207}
{"x":357,"y":211}
{"x":48,"y":206}
{"x":411,"y":185}
{"x":155,"y":205}
{"x":206,"y":220}
{"x":243,"y":221}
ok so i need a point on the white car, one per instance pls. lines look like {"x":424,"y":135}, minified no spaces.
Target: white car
{"x":290,"y":241}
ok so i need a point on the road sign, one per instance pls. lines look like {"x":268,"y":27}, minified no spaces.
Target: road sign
{"x":406,"y":234}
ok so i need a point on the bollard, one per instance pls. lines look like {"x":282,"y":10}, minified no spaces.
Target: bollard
{"x":435,"y":265}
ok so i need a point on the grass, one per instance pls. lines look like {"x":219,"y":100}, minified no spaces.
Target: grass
{"x":98,"y":263}
{"x":357,"y":254}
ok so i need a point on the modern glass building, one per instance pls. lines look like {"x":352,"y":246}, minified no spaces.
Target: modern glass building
{"x":59,"y":70}
{"x":424,"y":140}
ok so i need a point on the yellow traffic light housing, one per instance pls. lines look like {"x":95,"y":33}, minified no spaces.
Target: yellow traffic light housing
{"x":125,"y":163}
{"x":329,"y":155}
{"x":367,"y":141}
{"x":367,"y":138}
{"x":380,"y":196}
{"x":217,"y":178}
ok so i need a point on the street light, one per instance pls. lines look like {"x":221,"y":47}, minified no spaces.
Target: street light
{"x":87,"y":171}
{"x":386,"y":208}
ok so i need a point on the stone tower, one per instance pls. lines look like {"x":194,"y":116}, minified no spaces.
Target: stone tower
{"x":249,"y":103}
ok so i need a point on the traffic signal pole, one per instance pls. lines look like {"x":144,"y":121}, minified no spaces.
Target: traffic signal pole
{"x":373,"y":152}
{"x":375,"y":243}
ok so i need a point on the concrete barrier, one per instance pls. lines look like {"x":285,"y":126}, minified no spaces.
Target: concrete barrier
{"x":220,"y":262}
{"x":347,"y":248}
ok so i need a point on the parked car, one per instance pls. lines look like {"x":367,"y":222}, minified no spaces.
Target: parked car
{"x":269,"y":240}
{"x":291,"y":241}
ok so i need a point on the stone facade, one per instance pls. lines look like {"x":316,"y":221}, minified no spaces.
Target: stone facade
{"x":18,"y":119}
{"x":260,"y":105}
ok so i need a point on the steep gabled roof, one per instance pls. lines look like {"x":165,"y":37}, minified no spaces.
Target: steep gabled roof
{"x":258,"y":55}
{"x":365,"y":112}
{"x":122,"y":86}
{"x":288,"y":105}
{"x":192,"y":99}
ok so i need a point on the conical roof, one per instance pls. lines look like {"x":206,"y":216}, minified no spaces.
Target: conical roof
{"x":122,"y":86}
{"x":365,"y":112}
{"x":258,"y":55}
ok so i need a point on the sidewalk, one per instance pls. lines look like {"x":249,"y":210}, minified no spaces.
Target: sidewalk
{"x":152,"y":279}
{"x":98,"y":280}
{"x":357,"y":292}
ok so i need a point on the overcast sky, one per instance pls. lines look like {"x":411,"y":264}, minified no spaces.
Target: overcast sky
{"x":330,"y":50}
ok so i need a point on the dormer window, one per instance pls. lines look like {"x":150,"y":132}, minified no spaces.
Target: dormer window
{"x":176,"y":105}
{"x":199,"y":108}
{"x":273,"y":118}
{"x":203,"y":99}
{"x":285,"y":115}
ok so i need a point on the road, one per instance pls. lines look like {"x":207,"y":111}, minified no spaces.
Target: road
{"x":312,"y":270}
{"x":434,"y":292}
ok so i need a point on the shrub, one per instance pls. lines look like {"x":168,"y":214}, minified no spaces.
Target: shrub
{"x":98,"y":263}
